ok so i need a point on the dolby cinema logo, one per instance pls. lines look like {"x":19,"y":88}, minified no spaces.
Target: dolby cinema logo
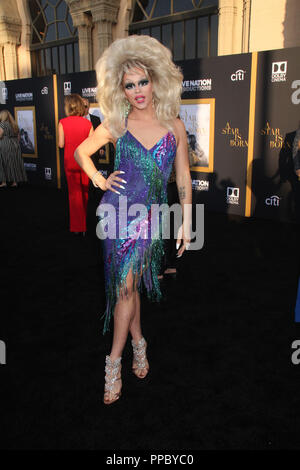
{"x":48,"y":174}
{"x":4,"y":95}
{"x":233,"y":195}
{"x":279,"y":71}
{"x":67,"y":88}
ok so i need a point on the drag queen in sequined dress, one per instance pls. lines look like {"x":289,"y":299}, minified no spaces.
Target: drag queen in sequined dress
{"x":139,"y":92}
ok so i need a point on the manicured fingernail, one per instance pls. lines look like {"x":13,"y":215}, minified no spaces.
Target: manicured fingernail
{"x":122,"y":186}
{"x":124,"y":181}
{"x":118,"y":192}
{"x":177,"y":246}
{"x":121,"y":171}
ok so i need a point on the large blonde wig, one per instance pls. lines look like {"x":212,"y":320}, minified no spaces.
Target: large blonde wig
{"x":146,"y":53}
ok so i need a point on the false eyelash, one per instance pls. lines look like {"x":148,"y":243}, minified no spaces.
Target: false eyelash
{"x":142,"y":83}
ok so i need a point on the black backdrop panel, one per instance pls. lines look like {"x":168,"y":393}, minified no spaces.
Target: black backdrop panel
{"x":277,"y":114}
{"x":35,"y":94}
{"x":227,"y":79}
{"x":83,"y":83}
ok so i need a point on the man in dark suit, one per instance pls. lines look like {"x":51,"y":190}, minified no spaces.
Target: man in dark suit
{"x":96,"y":121}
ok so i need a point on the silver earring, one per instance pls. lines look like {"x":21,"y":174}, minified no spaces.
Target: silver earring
{"x":126,"y":108}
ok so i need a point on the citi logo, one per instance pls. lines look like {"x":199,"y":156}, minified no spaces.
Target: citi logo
{"x":238,"y":75}
{"x":272,"y":201}
{"x":44,"y":91}
{"x":279,"y":71}
{"x":67,"y":88}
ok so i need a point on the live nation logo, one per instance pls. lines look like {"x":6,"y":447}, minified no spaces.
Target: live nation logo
{"x":89,"y":92}
{"x":28,"y":96}
{"x":279,"y":71}
{"x":273,"y":133}
{"x":201,"y":84}
{"x":200,"y":185}
{"x":236,"y":139}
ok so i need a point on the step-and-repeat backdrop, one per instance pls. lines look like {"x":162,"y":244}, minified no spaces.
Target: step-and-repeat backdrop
{"x":240,"y":113}
{"x":31,"y":103}
{"x":275,"y":188}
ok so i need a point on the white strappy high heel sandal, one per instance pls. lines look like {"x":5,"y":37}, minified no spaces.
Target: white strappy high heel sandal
{"x":113,"y":374}
{"x":139,"y":356}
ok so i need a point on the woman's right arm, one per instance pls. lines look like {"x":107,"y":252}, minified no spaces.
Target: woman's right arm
{"x":61,"y":136}
{"x":100,"y":137}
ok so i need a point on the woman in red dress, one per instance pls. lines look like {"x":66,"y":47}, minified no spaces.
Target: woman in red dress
{"x":72,"y":131}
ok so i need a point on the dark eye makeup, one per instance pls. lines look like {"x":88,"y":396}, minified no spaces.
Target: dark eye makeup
{"x":142,"y":82}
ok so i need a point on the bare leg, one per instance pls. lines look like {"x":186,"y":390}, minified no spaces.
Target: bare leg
{"x":123,"y":314}
{"x":170,"y":270}
{"x":136,"y":333}
{"x":135,"y":326}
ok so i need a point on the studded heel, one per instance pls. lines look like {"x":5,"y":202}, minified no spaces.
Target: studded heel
{"x":139,"y":357}
{"x":113,"y":374}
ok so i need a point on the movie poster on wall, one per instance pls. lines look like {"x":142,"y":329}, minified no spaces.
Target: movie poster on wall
{"x":198,"y":116}
{"x":25,"y":118}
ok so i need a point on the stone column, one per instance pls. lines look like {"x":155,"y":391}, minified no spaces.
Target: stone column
{"x":24,"y":56}
{"x":121,"y":28}
{"x":104,"y":14}
{"x":230,"y":27}
{"x":246,"y":25}
{"x":83,"y":23}
{"x":10,"y":32}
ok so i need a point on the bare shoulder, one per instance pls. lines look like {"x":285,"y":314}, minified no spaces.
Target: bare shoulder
{"x":179,"y":128}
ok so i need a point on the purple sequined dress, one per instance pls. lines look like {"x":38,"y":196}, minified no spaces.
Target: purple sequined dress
{"x":135,"y":237}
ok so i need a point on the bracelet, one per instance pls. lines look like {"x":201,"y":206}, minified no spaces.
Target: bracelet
{"x":92,"y":178}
